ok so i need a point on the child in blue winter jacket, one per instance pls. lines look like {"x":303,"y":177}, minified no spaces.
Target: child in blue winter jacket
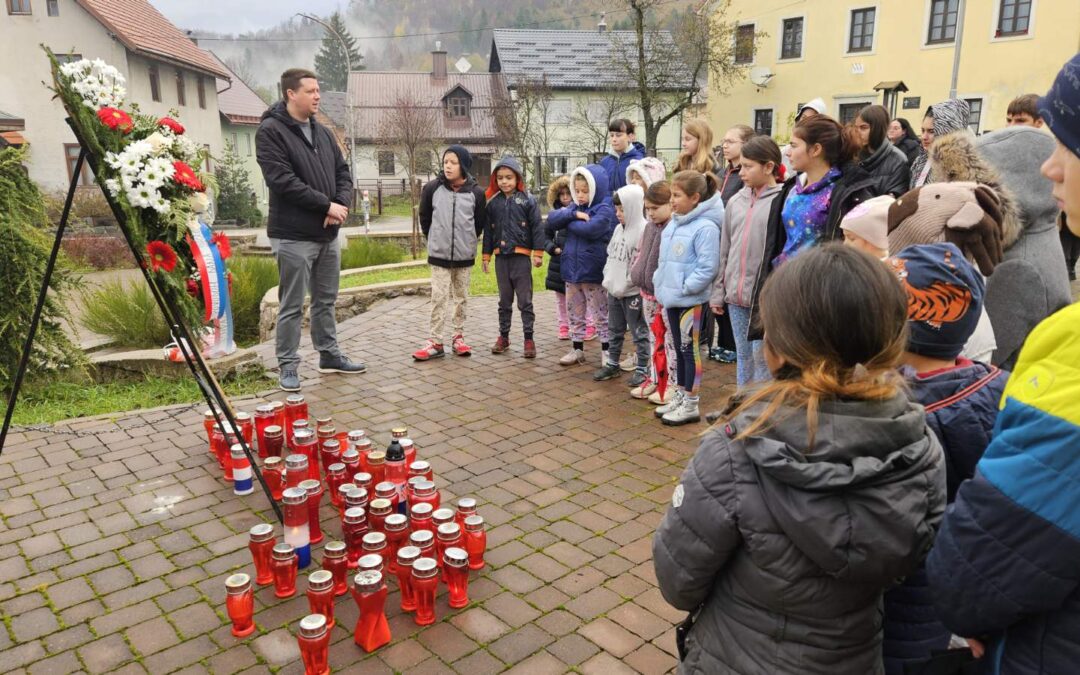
{"x":624,"y":150}
{"x":689,"y":261}
{"x":589,"y":223}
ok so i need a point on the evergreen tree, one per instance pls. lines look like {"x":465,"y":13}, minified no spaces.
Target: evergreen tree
{"x":330,"y":63}
{"x":235,"y":200}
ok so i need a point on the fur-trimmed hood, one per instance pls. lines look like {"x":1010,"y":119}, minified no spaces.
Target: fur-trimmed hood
{"x":555,"y":188}
{"x":954,"y":158}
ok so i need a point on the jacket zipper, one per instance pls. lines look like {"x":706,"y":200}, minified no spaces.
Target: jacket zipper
{"x":746,"y":245}
{"x":453,"y":227}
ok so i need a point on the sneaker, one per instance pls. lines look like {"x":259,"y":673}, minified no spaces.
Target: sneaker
{"x":637,"y":379}
{"x":644,"y":391}
{"x":714,"y":353}
{"x":608,"y":371}
{"x":564,"y":332}
{"x":500,"y":346}
{"x":573,"y":357}
{"x":726,"y":356}
{"x":590,"y":333}
{"x":339,"y":364}
{"x":675,"y":402}
{"x":656,"y":399}
{"x":430,"y":350}
{"x":629,"y":364}
{"x":685,"y":413}
{"x":289,"y":380}
{"x":459,"y":346}
{"x":530,"y":349}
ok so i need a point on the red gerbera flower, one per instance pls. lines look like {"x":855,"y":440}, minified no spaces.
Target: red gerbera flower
{"x":223,"y":246}
{"x":171,"y":124}
{"x":162,"y":256}
{"x":185,"y":175}
{"x":193,"y":288}
{"x":115,"y":119}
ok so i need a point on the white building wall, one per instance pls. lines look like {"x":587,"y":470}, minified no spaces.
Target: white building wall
{"x":242,"y":136}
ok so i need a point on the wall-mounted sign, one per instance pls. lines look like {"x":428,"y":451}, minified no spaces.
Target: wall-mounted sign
{"x":912,"y":102}
{"x":856,"y":69}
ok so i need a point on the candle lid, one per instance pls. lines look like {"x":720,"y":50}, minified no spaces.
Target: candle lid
{"x":272,"y":462}
{"x":421,"y":510}
{"x":443,"y":515}
{"x":376,"y":457}
{"x":396,"y":522}
{"x":350,"y":456}
{"x":449,"y":531}
{"x":345,"y":488}
{"x":313,"y":626}
{"x":356,"y":435}
{"x":236,"y":450}
{"x":272,"y":431}
{"x":425,"y":568}
{"x":474,"y":523}
{"x":294,"y":399}
{"x":421,"y":538}
{"x":373,"y":541}
{"x":405,"y":442}
{"x":264,"y":409}
{"x":368,"y":580}
{"x":371,"y":561}
{"x":324,"y":421}
{"x":355,"y":515}
{"x":407,"y":554}
{"x":455,"y":557}
{"x":414,"y":480}
{"x":283,"y":551}
{"x":355,"y":494}
{"x":209,"y":414}
{"x":385,"y":489}
{"x":425,"y":488}
{"x":320,"y":580}
{"x":336,"y":467}
{"x":237,"y":583}
{"x":294,"y":496}
{"x":466,"y":504}
{"x":261,"y":532}
{"x":299,"y":424}
{"x":296,"y":462}
{"x":303,"y":436}
{"x":380,"y":506}
{"x":242,"y":416}
{"x":334,"y":549}
{"x":362,"y":444}
{"x":326,"y":432}
{"x":276,"y":405}
{"x":311,"y":486}
{"x":399,"y":432}
{"x":362,"y":478}
{"x":332,"y":444}
{"x":420,"y":466}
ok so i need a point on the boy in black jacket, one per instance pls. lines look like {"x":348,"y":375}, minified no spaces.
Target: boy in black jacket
{"x":515,"y":234}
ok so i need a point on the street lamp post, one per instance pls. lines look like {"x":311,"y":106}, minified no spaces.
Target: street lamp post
{"x":348,"y":101}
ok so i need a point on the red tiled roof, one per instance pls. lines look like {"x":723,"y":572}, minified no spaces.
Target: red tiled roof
{"x":373,"y":93}
{"x":144,"y":30}
{"x":238,"y":102}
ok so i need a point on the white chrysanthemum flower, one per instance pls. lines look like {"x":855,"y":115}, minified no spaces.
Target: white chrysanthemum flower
{"x":113,"y":186}
{"x":160,"y":205}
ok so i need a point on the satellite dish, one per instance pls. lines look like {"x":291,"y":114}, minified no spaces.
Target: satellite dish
{"x":463,"y":65}
{"x":761,"y":76}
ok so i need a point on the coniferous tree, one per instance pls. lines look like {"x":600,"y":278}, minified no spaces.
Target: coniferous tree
{"x":330,"y":63}
{"x":235,"y":200}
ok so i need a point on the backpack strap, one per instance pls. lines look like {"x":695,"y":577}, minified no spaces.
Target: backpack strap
{"x":967,"y":391}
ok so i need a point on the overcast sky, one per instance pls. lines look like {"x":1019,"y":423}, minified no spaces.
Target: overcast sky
{"x":238,"y":16}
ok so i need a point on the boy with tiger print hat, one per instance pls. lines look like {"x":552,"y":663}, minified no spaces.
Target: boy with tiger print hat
{"x":945,"y":296}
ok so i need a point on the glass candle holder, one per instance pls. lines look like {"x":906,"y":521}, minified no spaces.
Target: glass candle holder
{"x":329,"y":454}
{"x":243,"y":478}
{"x":209,"y":420}
{"x":314,"y":639}
{"x":283,"y":565}
{"x":363,"y":479}
{"x":396,"y":527}
{"x":425,"y":541}
{"x":399,"y":432}
{"x":351,"y":460}
{"x":343,"y":490}
{"x":420,"y":518}
{"x":305,"y":444}
{"x":296,"y":470}
{"x":363,"y":448}
{"x":406,"y":555}
{"x":371,"y":561}
{"x":297,"y":531}
{"x":240,"y":604}
{"x":466,"y":506}
{"x":320,"y":594}
{"x":442,"y":516}
{"x":353,"y":527}
{"x":246,"y":423}
{"x":447,"y":535}
{"x":264,"y":417}
{"x":410,"y":450}
{"x":335,"y":478}
{"x":410,"y":490}
{"x":475,"y":541}
{"x":314,"y":490}
{"x":336,"y":562}
{"x":424,"y":492}
{"x":324,"y":422}
{"x":355,"y":436}
{"x":261,"y":543}
{"x":374,"y":542}
{"x":425,"y":580}
{"x":273,"y":471}
{"x":273,"y":440}
{"x":456,"y":575}
{"x":388,"y":490}
{"x":356,"y":498}
{"x":372,"y":630}
{"x":229,"y":439}
{"x":422,"y":468}
{"x":378,"y":510}
{"x":279,"y":413}
{"x":296,"y":408}
{"x":376,"y":460}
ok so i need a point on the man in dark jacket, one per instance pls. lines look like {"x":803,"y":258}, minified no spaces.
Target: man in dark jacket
{"x":310,"y":189}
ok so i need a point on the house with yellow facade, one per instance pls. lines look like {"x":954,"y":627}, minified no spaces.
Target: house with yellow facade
{"x":899,"y":53}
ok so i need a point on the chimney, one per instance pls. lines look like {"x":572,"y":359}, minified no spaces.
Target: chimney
{"x":602,"y":26}
{"x":438,"y":62}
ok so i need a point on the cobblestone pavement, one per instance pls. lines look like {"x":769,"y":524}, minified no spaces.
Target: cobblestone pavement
{"x":115,"y":542}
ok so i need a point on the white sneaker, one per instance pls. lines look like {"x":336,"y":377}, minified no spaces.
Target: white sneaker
{"x":656,"y":399}
{"x":675,"y":402}
{"x":646,"y":390}
{"x":629,"y":363}
{"x":685,"y":413}
{"x":573,"y":357}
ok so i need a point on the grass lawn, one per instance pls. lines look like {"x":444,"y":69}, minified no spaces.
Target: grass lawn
{"x":59,"y":398}
{"x":479,"y":283}
{"x":398,"y":205}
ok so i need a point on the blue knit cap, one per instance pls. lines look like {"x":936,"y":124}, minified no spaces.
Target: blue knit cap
{"x":945,"y":298}
{"x":1060,"y":108}
{"x":463,"y":157}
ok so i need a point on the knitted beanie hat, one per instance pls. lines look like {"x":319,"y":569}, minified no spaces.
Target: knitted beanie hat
{"x":945,"y":297}
{"x":1060,"y":108}
{"x":966,"y":214}
{"x":650,"y":169}
{"x":870,"y":220}
{"x":463,"y":157}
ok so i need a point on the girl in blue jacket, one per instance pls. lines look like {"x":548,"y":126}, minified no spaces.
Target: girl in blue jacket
{"x":689,"y":261}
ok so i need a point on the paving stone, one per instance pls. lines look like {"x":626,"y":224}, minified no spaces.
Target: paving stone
{"x":523,"y":642}
{"x":148,"y":637}
{"x":61,"y":664}
{"x":573,"y":649}
{"x":20,"y":655}
{"x":277,"y":648}
{"x":447,"y":642}
{"x":68,"y":639}
{"x":611,"y":637}
{"x":479,"y":662}
{"x":183,"y":654}
{"x":480,"y":625}
{"x":512,"y":610}
{"x":33,"y":624}
{"x":104,"y":654}
{"x":403,"y":656}
{"x":593,"y":603}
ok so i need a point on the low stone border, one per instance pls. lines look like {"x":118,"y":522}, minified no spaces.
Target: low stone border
{"x":350,"y":301}
{"x":121,"y":365}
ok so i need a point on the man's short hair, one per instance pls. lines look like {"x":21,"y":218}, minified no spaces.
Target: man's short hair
{"x":290,"y":79}
{"x":1026,"y":104}
{"x":621,"y":124}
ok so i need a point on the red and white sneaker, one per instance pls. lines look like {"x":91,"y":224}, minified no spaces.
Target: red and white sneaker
{"x":459,"y":346}
{"x":429,"y":350}
{"x":564,"y":332}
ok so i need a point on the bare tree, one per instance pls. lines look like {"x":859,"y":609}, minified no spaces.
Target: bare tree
{"x":667,"y":69}
{"x":409,"y":128}
{"x":522,"y":121}
{"x":588,"y":121}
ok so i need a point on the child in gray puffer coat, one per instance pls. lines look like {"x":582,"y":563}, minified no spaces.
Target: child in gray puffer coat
{"x":813,"y":495}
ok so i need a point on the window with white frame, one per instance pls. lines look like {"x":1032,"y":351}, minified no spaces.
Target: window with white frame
{"x":975,"y":108}
{"x":1014,"y":18}
{"x":942,"y":24}
{"x":861,"y":32}
{"x":744,"y":43}
{"x":792,"y":40}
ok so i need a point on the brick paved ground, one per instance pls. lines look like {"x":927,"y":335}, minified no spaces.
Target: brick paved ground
{"x":115,"y":544}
